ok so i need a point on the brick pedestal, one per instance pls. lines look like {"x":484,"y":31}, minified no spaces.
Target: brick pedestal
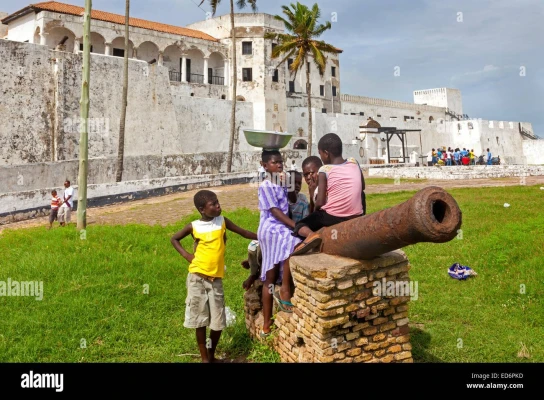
{"x":345,"y":310}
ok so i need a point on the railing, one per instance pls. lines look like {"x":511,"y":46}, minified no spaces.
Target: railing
{"x":196,"y":78}
{"x":175,"y":76}
{"x":218,"y":80}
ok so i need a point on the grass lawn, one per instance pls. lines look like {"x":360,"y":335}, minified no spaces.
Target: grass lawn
{"x":96,"y":306}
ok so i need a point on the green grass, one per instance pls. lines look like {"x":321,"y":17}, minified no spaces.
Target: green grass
{"x":391,"y":181}
{"x":94,"y":289}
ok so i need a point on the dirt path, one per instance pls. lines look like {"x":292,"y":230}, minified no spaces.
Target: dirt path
{"x":168,"y":209}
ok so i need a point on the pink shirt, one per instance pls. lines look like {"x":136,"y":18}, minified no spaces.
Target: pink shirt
{"x":344,"y":187}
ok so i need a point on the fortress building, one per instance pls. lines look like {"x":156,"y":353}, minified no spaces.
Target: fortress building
{"x":179,"y":101}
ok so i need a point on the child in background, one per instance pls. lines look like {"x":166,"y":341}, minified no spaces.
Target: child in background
{"x":56,"y":202}
{"x":340,"y":192}
{"x":310,"y":169}
{"x":298,"y":209}
{"x":205,"y":303}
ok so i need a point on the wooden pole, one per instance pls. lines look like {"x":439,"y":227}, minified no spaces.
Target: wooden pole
{"x":84,"y":114}
{"x":122,"y":121}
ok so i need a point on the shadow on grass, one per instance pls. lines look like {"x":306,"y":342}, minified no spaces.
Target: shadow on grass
{"x":420,"y":341}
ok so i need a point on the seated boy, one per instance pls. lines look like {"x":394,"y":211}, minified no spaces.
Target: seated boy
{"x":340,"y":197}
{"x":205,"y":303}
{"x":298,"y":209}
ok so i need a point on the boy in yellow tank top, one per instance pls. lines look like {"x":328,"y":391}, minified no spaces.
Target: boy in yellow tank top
{"x":205,"y":302}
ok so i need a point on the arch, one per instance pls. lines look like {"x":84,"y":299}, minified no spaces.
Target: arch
{"x":195,"y":65}
{"x":240,"y":98}
{"x":216,"y":68}
{"x":172,"y":60}
{"x":431,"y":119}
{"x":300,"y":144}
{"x":147,"y":51}
{"x":118,"y":47}
{"x":98,"y":43}
{"x":61,"y":39}
{"x":37,"y":35}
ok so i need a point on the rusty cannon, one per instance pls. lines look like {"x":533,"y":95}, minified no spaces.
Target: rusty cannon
{"x":431,"y":215}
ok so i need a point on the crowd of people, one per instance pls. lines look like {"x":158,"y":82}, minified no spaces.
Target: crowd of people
{"x":441,"y":156}
{"x":288,"y":226}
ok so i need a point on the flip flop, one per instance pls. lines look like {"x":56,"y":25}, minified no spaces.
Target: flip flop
{"x":264,"y":335}
{"x":313,"y":241}
{"x":282,"y":303}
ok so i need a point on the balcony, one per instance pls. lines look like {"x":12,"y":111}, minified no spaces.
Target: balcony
{"x":175,"y":76}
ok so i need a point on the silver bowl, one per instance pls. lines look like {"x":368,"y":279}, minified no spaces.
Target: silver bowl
{"x":269,"y":140}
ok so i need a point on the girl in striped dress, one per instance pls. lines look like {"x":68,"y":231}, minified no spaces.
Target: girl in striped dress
{"x":275,"y":236}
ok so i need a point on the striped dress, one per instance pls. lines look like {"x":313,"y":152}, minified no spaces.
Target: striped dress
{"x":275,"y":239}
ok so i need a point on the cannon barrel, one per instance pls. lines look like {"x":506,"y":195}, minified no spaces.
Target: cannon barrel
{"x":431,"y":215}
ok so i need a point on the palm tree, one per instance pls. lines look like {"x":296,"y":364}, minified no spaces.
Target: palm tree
{"x":241,"y":4}
{"x":301,"y":42}
{"x":121,"y":149}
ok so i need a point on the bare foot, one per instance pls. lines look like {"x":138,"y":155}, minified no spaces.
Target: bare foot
{"x":245,"y":264}
{"x":249,"y":282}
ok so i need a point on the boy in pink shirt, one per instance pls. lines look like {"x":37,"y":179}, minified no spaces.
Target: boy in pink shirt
{"x":340,"y":197}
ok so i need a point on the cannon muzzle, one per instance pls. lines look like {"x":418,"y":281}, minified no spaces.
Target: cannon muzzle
{"x":431,"y":215}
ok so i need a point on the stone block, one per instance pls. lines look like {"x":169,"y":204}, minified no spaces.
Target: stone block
{"x":388,"y":326}
{"x":344,"y":284}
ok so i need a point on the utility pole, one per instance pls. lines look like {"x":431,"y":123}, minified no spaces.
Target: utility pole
{"x":84,"y":114}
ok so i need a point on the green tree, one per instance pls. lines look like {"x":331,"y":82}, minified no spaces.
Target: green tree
{"x":301,"y":43}
{"x":241,"y":5}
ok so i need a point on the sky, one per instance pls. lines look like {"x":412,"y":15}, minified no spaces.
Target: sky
{"x":492,"y":50}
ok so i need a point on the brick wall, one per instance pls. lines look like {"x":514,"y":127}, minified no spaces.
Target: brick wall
{"x":344,"y":311}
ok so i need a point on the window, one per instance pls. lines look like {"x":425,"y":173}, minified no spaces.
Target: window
{"x":470,"y":126}
{"x":334,"y":90}
{"x":275,"y":77}
{"x":322,"y":90}
{"x":379,"y":115}
{"x":223,"y":97}
{"x":353,"y":114}
{"x":247,"y":74}
{"x":274,"y":46}
{"x":361,"y":113}
{"x":119,"y":52}
{"x":81,"y":48}
{"x":247,"y":48}
{"x":291,"y":86}
{"x":333,"y":71}
{"x":324,"y":110}
{"x":289,"y":62}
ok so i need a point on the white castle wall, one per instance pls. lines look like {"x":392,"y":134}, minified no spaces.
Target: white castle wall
{"x":533,"y":150}
{"x":40,"y":123}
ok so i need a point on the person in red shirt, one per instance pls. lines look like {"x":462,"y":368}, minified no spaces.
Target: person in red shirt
{"x":55,"y":204}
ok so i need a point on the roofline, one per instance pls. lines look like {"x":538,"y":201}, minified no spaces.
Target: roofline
{"x":18,"y":14}
{"x":35,"y":9}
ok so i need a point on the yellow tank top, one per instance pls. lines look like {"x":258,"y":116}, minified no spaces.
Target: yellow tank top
{"x":210,"y":249}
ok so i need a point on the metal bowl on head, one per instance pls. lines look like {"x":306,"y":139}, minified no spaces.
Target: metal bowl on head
{"x":268,"y":140}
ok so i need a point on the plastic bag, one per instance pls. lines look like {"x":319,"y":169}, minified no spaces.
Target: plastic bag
{"x":461,"y":272}
{"x":231,"y":317}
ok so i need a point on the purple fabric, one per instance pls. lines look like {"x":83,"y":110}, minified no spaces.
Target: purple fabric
{"x":275,"y":238}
